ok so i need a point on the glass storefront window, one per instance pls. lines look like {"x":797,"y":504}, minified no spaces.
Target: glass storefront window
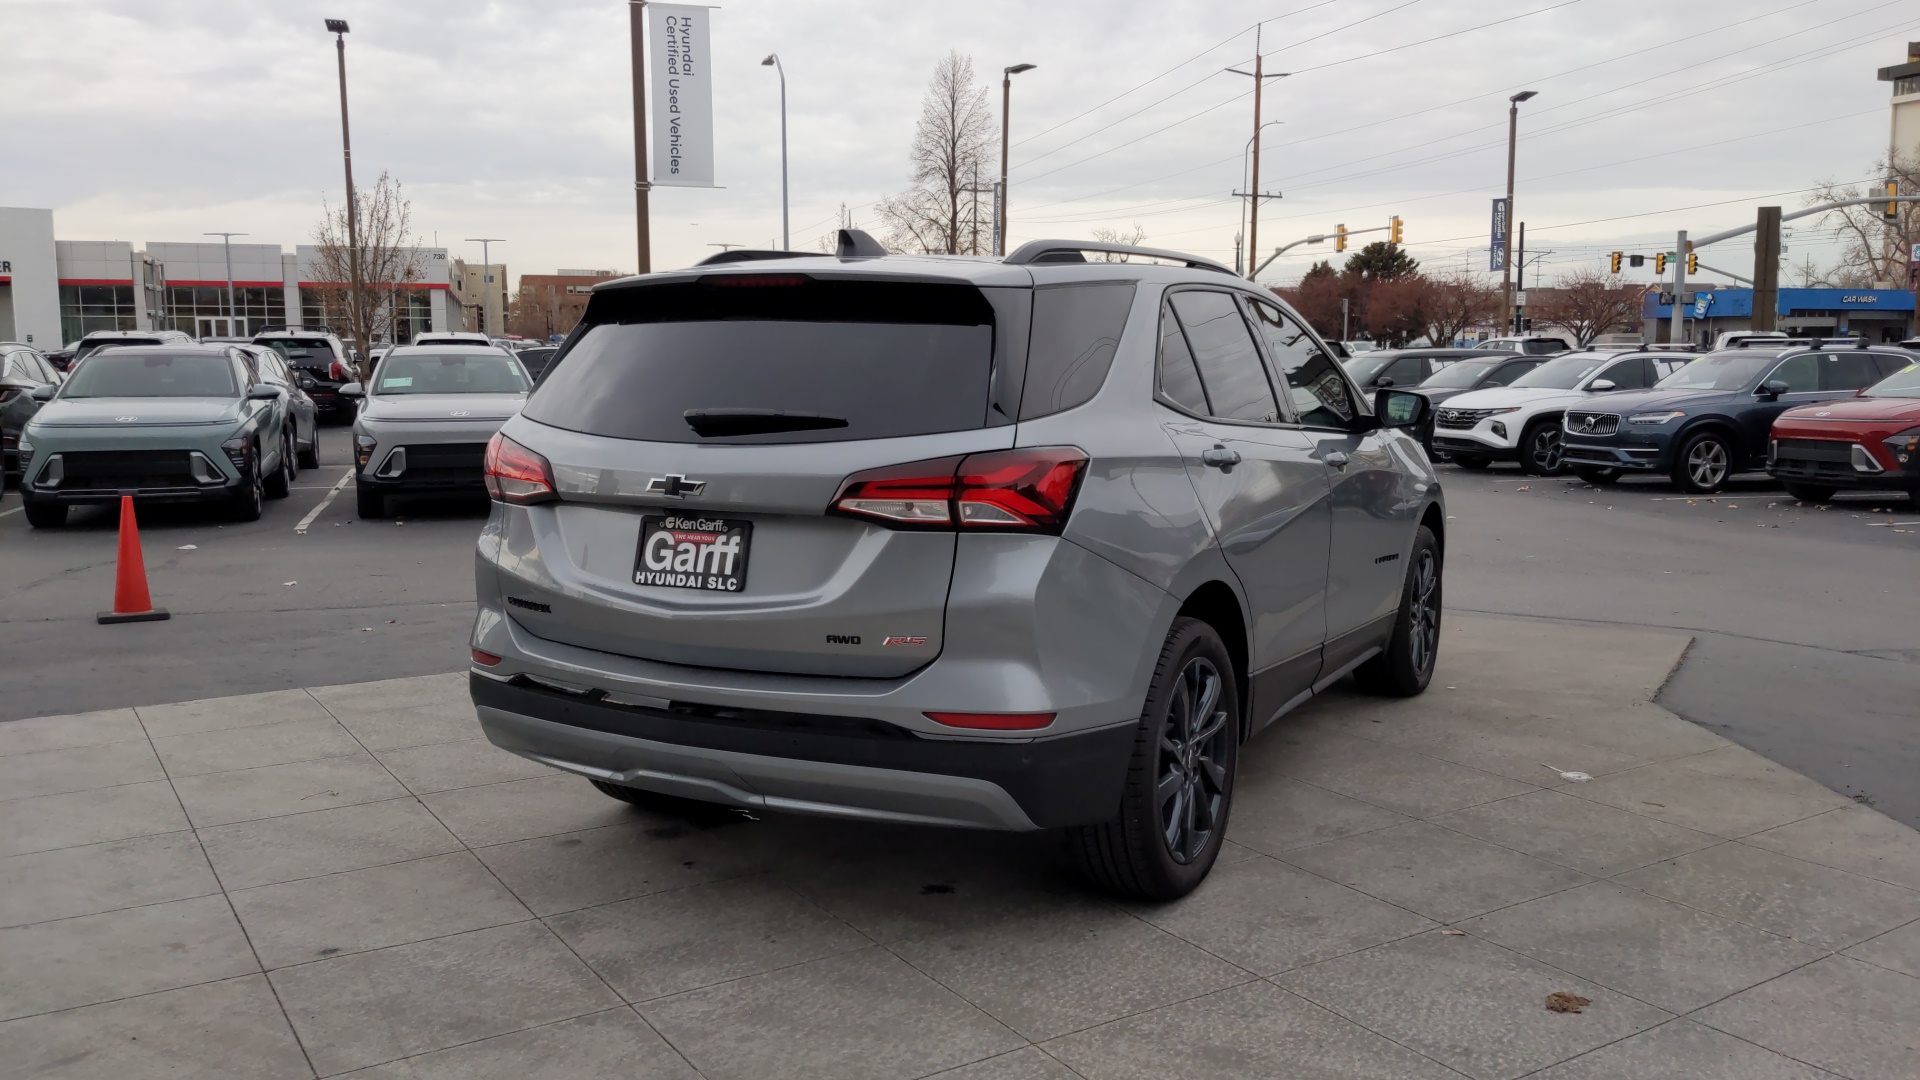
{"x":201,"y":310}
{"x":86,"y":308}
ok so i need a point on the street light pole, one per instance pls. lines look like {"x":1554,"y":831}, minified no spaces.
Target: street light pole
{"x":637,"y":20}
{"x":486,"y":280}
{"x":1506,"y":242}
{"x":773,"y":59}
{"x":339,"y":29}
{"x":226,"y":248}
{"x":1006,"y":109}
{"x":1259,"y":85}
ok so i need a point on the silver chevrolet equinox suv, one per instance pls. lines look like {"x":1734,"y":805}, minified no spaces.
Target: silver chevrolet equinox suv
{"x":1022,"y":543}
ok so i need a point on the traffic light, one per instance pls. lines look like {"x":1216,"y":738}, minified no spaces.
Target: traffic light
{"x":1890,"y":209}
{"x":1660,"y":264}
{"x":1614,"y":261}
{"x":1340,"y":238}
{"x":1636,"y":260}
{"x":1693,"y":263}
{"x":1394,"y":231}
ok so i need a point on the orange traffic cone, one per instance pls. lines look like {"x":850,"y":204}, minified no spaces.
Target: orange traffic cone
{"x":131,"y":603}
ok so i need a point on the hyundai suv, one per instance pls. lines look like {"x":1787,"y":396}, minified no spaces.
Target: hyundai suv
{"x":1024,"y":543}
{"x":1522,"y":421}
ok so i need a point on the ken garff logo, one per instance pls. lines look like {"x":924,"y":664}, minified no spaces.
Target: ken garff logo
{"x":125,"y":419}
{"x":675,"y":486}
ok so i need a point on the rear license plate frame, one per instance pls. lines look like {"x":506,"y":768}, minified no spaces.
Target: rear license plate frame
{"x":701,"y":547}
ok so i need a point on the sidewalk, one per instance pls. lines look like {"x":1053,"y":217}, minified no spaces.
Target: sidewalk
{"x":315,"y":882}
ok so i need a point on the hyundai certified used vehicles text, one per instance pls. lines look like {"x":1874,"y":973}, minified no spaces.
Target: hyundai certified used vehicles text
{"x":1867,"y":443}
{"x":1023,"y":543}
{"x":1711,"y":419}
{"x":1522,"y":421}
{"x":426,"y":418}
{"x":164,"y":423}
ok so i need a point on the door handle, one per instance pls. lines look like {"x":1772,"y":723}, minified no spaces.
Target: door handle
{"x":1220,"y":457}
{"x":1338,"y":460}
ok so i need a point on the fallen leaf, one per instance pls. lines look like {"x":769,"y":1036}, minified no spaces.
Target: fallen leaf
{"x":1562,"y":1002}
{"x":1576,"y":777}
{"x":189,"y":547}
{"x":289,"y":583}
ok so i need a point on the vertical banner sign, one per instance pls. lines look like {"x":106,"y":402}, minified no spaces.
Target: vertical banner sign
{"x":682,"y":95}
{"x":1497,"y":251}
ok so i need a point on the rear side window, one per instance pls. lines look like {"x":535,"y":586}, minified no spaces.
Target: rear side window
{"x":1848,"y":371}
{"x":1179,"y":380}
{"x":774,"y":358}
{"x":1510,"y":372}
{"x":1629,"y":374}
{"x":1229,"y":362}
{"x":1076,"y":329}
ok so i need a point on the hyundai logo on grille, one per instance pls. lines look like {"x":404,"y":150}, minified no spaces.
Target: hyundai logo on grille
{"x":675,"y":486}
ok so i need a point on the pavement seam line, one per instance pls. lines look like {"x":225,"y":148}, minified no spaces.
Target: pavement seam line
{"x":232,"y":911}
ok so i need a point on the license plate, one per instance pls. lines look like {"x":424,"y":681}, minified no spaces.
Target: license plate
{"x":692,"y":551}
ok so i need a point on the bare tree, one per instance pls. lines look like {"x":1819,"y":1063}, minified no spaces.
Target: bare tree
{"x":1108,"y":235}
{"x":1808,"y":275}
{"x":1458,"y":302}
{"x":1588,"y":303}
{"x":389,"y":262}
{"x":951,"y":145}
{"x":1874,"y":247}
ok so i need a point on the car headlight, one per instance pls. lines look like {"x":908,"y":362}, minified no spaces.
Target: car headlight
{"x":1503,"y":412}
{"x":1905,"y":445}
{"x":237,"y":448}
{"x":1655,"y":417}
{"x":25,"y":445}
{"x":363,"y":447}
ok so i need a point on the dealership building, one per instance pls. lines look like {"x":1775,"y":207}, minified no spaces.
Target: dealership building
{"x":1879,"y":315}
{"x":53,"y":292}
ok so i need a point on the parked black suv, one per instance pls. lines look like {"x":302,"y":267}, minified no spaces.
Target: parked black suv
{"x":320,"y":364}
{"x":1710,"y":419}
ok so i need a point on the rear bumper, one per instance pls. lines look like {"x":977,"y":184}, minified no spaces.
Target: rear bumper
{"x":838,"y":767}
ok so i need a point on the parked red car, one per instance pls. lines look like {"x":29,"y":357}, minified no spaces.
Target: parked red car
{"x":1869,"y":442}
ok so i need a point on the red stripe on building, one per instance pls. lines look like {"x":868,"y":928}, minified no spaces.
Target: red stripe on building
{"x":95,"y":281}
{"x":222,"y":283}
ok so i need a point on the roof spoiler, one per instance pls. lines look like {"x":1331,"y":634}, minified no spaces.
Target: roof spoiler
{"x":850,"y":244}
{"x":1073,"y":251}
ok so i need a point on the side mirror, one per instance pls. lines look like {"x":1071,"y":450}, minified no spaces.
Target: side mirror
{"x":1382,"y":380}
{"x":43,"y":393}
{"x":353,"y":390}
{"x":1773,"y":389}
{"x":263,"y":392}
{"x":1601,"y":386}
{"x":1400,"y":408}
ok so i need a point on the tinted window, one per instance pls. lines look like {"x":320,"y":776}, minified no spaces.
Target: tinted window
{"x":1510,"y":372}
{"x":1902,"y":384}
{"x":1367,"y":366}
{"x":1729,"y":370}
{"x":477,"y":372}
{"x":1848,"y":371}
{"x":795,"y":359}
{"x":1179,"y":380}
{"x":1406,"y":371}
{"x":1229,"y":362}
{"x":1891,"y":364}
{"x":1564,"y":372}
{"x":1537,"y":347}
{"x":1629,"y":374}
{"x":1461,"y":376}
{"x":1076,"y":329}
{"x":1800,"y":373}
{"x":1314,"y":385}
{"x":116,"y":373}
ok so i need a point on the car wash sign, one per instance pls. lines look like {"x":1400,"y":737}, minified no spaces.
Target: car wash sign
{"x":682,"y":95}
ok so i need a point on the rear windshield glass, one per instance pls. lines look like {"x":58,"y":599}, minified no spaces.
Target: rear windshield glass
{"x":298,"y":348}
{"x":1076,"y":329}
{"x":1720,"y":371}
{"x":1564,"y":373}
{"x":1461,"y":375}
{"x":114,"y":373}
{"x":1364,"y":367}
{"x":774,"y":358}
{"x":491,"y":372}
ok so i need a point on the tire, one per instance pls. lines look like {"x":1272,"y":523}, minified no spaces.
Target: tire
{"x":369,"y":503}
{"x":1406,"y":667}
{"x":280,"y":484}
{"x":1703,"y":464}
{"x":1597,"y":475}
{"x":676,"y":805}
{"x":1471,"y":462}
{"x":310,"y":457}
{"x":45,"y":515}
{"x":1540,"y":449}
{"x":1810,"y":493}
{"x":251,"y":502}
{"x":1160,"y":848}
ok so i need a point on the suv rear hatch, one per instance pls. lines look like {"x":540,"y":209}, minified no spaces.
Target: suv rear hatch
{"x":313,"y":355}
{"x":702,"y":432}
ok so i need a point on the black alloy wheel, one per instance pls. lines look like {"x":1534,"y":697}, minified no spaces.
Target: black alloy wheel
{"x":1405,"y":666}
{"x":1704,"y":463}
{"x":310,"y":457}
{"x":251,"y":500}
{"x":280,"y":484}
{"x":1179,"y":785}
{"x":1540,"y":449}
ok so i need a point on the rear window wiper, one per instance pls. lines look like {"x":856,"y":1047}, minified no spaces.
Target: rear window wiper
{"x":713,"y":423}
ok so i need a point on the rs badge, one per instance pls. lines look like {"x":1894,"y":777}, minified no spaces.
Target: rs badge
{"x":905,"y":641}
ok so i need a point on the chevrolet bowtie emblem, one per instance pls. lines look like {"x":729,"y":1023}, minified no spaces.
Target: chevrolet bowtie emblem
{"x":675,"y":486}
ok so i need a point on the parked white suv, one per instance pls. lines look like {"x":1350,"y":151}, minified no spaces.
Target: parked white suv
{"x":1521,"y":422}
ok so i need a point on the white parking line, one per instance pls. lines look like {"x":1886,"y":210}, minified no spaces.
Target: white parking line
{"x":15,"y":510}
{"x":315,"y":512}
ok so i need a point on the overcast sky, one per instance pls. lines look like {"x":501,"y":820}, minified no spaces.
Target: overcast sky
{"x":160,"y":121}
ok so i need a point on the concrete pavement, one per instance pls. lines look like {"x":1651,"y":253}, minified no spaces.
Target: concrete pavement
{"x":318,"y":882}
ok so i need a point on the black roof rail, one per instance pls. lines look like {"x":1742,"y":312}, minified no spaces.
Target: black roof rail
{"x":748,"y":255}
{"x":1070,"y":251}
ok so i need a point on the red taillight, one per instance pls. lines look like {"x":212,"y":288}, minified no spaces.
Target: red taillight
{"x":1028,"y":490}
{"x":484,"y":659}
{"x":516,"y":474}
{"x":7,"y":393}
{"x":337,"y":371}
{"x":1027,"y":721}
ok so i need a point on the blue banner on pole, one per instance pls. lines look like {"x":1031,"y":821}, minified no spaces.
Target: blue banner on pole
{"x":1497,"y":250}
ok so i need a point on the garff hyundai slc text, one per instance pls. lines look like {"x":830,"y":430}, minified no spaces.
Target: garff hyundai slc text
{"x":1015,"y":544}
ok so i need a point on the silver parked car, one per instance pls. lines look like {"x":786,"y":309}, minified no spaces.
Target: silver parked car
{"x":1023,"y":543}
{"x":425,"y":419}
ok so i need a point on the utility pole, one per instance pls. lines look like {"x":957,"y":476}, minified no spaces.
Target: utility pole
{"x":1006,"y":112}
{"x":1766,"y":269}
{"x":226,"y":248}
{"x":773,"y":61}
{"x":340,"y":31}
{"x":1506,"y":275}
{"x":1260,"y":78}
{"x":637,"y":12}
{"x":1520,"y":281}
{"x":1680,"y":249}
